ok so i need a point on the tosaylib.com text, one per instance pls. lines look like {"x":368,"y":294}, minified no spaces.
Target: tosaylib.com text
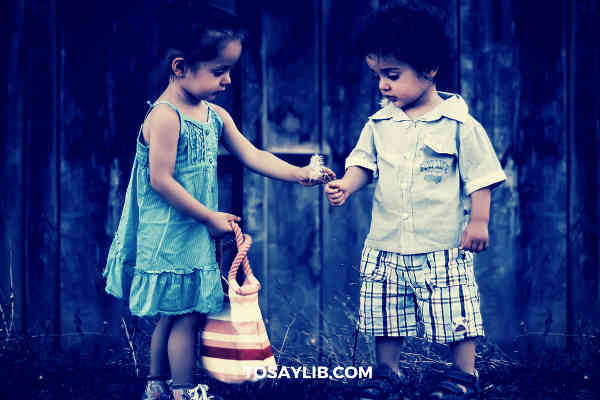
{"x":314,"y":372}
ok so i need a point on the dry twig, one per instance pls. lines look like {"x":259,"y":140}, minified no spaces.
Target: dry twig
{"x":130,"y":346}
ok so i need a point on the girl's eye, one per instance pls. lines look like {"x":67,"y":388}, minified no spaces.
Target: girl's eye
{"x":393,"y":76}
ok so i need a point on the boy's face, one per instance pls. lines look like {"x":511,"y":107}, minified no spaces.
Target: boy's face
{"x":399,"y":83}
{"x":211,"y":77}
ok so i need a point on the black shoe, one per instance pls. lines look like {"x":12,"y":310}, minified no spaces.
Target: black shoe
{"x":384,"y":385}
{"x":457,"y":385}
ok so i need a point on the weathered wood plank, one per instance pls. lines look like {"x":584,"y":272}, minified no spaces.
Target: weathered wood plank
{"x":490,"y":77}
{"x":583,"y":107}
{"x":539,"y":151}
{"x":12,"y":232}
{"x":291,"y":73}
{"x":41,"y":221}
{"x":87,"y":129}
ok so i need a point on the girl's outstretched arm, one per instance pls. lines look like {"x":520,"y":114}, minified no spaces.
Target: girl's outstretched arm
{"x":261,"y":161}
{"x":161,"y":131}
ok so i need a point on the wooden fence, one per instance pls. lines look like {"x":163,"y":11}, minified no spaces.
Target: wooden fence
{"x":77,"y":76}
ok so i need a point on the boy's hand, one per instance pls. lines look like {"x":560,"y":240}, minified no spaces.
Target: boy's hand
{"x":303,"y":176}
{"x":475,"y":238}
{"x":337,"y":192}
{"x":219,"y":223}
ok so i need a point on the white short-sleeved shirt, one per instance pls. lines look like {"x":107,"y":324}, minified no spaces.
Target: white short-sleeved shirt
{"x":425,"y":170}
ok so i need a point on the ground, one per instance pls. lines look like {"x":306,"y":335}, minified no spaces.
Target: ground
{"x":34,"y":369}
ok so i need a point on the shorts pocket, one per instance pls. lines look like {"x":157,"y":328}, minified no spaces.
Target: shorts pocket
{"x":449,"y":268}
{"x":372,"y":267}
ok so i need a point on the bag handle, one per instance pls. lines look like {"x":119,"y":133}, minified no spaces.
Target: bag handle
{"x":250,"y":284}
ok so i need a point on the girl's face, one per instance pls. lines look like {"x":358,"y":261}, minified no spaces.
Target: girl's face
{"x":399,"y":83}
{"x":209,"y":78}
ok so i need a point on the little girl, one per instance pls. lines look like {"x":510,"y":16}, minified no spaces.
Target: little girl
{"x":162,"y":259}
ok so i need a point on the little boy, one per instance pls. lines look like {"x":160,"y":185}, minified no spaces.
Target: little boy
{"x":434,"y":168}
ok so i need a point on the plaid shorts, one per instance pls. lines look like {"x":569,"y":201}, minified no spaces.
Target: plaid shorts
{"x":431,"y":295}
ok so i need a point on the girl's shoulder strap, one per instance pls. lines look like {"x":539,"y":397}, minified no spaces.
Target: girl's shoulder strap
{"x":151,"y":107}
{"x":213,"y":113}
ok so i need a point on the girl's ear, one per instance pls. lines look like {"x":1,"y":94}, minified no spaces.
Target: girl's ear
{"x":429,"y":75}
{"x":178,"y":67}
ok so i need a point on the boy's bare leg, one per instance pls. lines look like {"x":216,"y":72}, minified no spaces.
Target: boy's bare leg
{"x":387,"y":351}
{"x":463,"y":355}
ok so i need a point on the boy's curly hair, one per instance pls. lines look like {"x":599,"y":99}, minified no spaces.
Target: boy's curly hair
{"x":412,"y":33}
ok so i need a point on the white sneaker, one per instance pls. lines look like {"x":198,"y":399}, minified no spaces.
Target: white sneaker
{"x":199,"y":392}
{"x":157,"y":390}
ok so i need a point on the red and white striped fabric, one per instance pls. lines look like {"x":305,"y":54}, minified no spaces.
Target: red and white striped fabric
{"x":235,"y":342}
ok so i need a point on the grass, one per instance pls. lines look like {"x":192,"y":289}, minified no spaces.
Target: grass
{"x":33,"y":368}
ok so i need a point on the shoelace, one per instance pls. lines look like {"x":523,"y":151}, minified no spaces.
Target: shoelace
{"x":156,"y":388}
{"x":202,"y":393}
{"x":204,"y":390}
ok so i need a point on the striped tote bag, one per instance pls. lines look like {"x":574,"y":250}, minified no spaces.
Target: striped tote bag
{"x":235,"y":344}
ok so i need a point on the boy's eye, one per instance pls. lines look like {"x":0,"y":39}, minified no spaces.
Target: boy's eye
{"x":219,"y":72}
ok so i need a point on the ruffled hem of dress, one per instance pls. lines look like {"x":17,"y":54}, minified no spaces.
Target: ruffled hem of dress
{"x":118,"y":275}
{"x":165,"y":292}
{"x":203,"y":310}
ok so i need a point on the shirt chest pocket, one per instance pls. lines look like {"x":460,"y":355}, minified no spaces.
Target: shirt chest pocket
{"x":439,"y":157}
{"x":440,"y":145}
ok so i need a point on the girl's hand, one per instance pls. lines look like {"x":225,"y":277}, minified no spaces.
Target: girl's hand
{"x":337,"y":192}
{"x":219,"y":223}
{"x":475,"y":238}
{"x":303,"y":176}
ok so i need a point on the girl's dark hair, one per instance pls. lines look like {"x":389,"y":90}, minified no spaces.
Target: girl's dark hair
{"x":412,"y":33}
{"x":196,"y":32}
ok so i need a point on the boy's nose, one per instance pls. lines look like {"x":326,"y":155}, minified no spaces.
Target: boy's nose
{"x":383,"y":85}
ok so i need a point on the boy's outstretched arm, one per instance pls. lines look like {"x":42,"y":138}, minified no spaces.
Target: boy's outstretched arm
{"x":476,"y":237}
{"x":354,"y":179}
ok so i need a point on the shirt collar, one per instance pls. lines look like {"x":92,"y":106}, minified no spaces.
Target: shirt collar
{"x":453,"y":106}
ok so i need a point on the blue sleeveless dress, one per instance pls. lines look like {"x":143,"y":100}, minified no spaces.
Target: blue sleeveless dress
{"x":161,"y":260}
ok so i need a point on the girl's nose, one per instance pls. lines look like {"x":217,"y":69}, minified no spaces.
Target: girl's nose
{"x":226,"y":79}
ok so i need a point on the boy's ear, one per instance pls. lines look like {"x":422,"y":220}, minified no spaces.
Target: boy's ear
{"x":429,"y":75}
{"x":178,"y":67}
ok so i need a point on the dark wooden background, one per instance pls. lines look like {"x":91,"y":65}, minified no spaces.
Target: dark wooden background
{"x":77,"y":74}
